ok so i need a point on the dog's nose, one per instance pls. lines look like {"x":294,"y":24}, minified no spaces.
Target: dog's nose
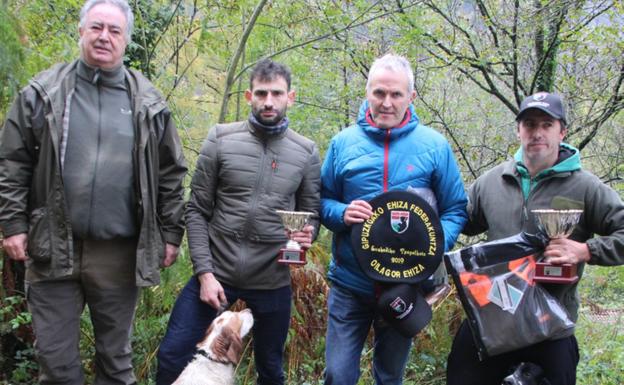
{"x":508,"y":381}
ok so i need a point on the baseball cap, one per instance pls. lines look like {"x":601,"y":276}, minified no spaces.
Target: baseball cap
{"x":551,"y":104}
{"x":404,"y":307}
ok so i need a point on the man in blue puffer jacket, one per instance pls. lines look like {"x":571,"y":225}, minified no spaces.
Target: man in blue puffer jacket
{"x":388,"y":149}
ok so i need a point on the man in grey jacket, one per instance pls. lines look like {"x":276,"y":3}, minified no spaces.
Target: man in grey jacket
{"x":246,"y":170}
{"x":91,"y":197}
{"x":545,"y":173}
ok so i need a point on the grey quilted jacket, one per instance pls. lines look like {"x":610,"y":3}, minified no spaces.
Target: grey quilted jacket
{"x":242,"y":177}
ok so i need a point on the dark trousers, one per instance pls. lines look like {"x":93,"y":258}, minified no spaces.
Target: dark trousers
{"x":558,"y":358}
{"x":103,"y":279}
{"x":191,"y":317}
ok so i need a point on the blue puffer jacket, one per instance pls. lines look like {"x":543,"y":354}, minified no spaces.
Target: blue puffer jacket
{"x":355,"y":168}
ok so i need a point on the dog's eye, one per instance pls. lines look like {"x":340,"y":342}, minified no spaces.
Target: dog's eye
{"x":526,"y":373}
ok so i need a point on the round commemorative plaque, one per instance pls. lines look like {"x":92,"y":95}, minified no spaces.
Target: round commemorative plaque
{"x":402,"y":242}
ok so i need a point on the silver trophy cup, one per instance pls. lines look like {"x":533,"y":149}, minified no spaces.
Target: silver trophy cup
{"x":293,"y":221}
{"x":556,"y":224}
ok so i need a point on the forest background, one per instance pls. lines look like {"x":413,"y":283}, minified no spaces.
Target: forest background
{"x":474,"y":61}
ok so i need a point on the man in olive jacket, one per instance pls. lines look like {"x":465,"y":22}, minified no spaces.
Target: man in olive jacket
{"x":91,"y":197}
{"x":246,"y":170}
{"x":545,"y":173}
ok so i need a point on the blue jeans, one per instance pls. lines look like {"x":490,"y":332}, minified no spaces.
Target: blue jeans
{"x":191,"y":317}
{"x":348,"y":324}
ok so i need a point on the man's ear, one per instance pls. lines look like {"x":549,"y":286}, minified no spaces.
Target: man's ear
{"x":563,"y":132}
{"x":248,"y":95}
{"x":291,"y":97}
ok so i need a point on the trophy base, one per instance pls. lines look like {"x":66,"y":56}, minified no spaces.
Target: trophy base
{"x":549,"y":273}
{"x":292,"y":257}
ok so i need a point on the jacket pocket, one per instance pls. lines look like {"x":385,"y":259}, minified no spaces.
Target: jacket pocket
{"x":39,"y":235}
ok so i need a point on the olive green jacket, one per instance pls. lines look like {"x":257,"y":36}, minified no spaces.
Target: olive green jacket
{"x":501,"y":200}
{"x":32,"y":198}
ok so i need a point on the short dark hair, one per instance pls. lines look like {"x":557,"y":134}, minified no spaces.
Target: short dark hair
{"x":267,"y":70}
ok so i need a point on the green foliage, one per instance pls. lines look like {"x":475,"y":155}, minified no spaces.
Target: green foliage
{"x":10,"y":311}
{"x":603,"y":286}
{"x":21,"y":368}
{"x":11,"y":57}
{"x":51,"y":28}
{"x":600,"y":332}
{"x":601,"y":353}
{"x":151,"y":21}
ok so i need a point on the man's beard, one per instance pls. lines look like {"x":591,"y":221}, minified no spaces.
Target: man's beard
{"x":279,"y":115}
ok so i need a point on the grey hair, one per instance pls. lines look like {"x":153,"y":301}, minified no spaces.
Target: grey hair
{"x":394,"y":63}
{"x":121,"y":4}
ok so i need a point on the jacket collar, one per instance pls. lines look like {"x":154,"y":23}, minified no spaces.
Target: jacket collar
{"x":261,"y":134}
{"x":111,"y":78}
{"x":379,"y":134}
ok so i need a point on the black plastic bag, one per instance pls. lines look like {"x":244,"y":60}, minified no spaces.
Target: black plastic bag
{"x":506,"y":310}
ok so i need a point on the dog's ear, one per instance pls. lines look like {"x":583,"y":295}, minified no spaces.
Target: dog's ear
{"x":235,"y":349}
{"x":228,"y":346}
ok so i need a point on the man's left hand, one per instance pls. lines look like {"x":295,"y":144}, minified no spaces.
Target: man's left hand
{"x":303,"y":237}
{"x":563,"y":250}
{"x":171,"y":254}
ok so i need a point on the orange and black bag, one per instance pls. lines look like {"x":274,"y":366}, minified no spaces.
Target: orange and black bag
{"x":506,"y":309}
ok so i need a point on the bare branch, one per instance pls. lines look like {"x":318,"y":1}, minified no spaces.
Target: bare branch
{"x":613,"y":105}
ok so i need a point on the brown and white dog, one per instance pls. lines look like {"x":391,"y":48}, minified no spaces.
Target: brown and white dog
{"x":219,"y":352}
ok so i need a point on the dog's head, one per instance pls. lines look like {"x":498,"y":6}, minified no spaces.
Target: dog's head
{"x":223,"y":341}
{"x":526,"y":373}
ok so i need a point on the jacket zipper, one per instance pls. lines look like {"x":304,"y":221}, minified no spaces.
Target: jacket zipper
{"x":386,"y":159}
{"x":252,"y":208}
{"x":97,"y":160}
{"x":533,"y":184}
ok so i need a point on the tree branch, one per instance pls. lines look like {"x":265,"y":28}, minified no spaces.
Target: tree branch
{"x":230,"y":78}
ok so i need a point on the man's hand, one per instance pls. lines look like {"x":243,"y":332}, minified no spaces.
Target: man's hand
{"x":15,"y":247}
{"x":211,"y":291}
{"x":563,"y":250}
{"x":357,"y":212}
{"x":303,"y":237}
{"x":171,"y":254}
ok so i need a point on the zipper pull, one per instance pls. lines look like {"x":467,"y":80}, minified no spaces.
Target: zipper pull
{"x":525,"y":212}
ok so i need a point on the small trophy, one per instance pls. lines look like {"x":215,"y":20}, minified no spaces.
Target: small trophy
{"x":556,"y":224}
{"x":293,"y":221}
